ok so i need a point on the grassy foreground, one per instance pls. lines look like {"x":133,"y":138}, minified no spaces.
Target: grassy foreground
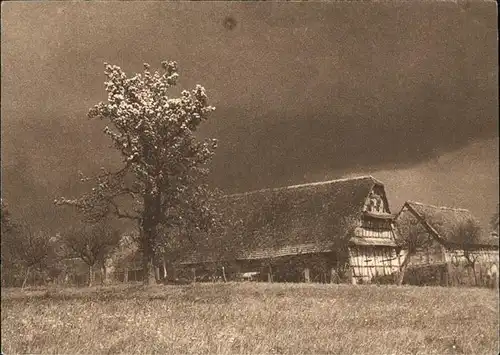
{"x":256,"y":318}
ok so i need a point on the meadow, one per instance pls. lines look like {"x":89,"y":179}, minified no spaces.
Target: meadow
{"x":250,"y":318}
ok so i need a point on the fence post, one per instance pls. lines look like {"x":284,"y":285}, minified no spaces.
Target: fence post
{"x":449,"y":278}
{"x":307,"y":277}
{"x":270,"y":274}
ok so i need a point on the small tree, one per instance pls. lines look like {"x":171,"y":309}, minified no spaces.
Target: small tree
{"x":413,"y":236}
{"x":465,"y":235}
{"x":164,"y":163}
{"x":93,"y":244}
{"x":25,"y":249}
{"x":8,"y":227}
{"x":9,"y":261}
{"x":32,"y":249}
{"x":495,"y":220}
{"x":7,"y":224}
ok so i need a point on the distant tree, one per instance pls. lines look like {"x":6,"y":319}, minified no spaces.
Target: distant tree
{"x":26,"y":249}
{"x":7,"y":224}
{"x":495,"y":220}
{"x":93,"y":244}
{"x":8,"y":227}
{"x":31,"y":249}
{"x":161,"y":183}
{"x":9,"y":266}
{"x":465,"y":235}
{"x":413,"y":236}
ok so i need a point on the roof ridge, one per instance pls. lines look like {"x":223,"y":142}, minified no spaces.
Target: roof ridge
{"x":438,"y":207}
{"x":317,"y":183}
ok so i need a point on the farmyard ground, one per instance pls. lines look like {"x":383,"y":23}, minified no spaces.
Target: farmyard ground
{"x":255,"y":318}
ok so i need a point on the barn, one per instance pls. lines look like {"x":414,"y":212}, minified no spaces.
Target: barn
{"x":331,"y":231}
{"x":451,"y":250}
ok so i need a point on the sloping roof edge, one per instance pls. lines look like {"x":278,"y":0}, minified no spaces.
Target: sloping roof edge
{"x":437,"y":207}
{"x":317,"y":183}
{"x":422,"y":220}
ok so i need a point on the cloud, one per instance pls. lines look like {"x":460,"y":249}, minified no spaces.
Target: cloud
{"x":338,"y":88}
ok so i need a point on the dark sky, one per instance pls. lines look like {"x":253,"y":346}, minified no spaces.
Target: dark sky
{"x":406,"y":92}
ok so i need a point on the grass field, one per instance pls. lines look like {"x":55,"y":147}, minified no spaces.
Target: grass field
{"x":255,"y":318}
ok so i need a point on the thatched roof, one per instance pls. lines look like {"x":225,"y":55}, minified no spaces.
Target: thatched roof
{"x":299,"y":219}
{"x":444,"y":221}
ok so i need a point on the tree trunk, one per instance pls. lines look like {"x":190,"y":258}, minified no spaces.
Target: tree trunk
{"x":148,"y":269}
{"x":402,"y":269}
{"x":91,"y":276}
{"x":443,"y":280}
{"x":164,"y":269}
{"x":307,"y":278}
{"x":26,"y":277}
{"x":148,"y":257}
{"x":224,"y":274}
{"x":104,"y":273}
{"x":449,"y":275}
{"x":333,"y":276}
{"x":157,"y":274}
{"x":171,"y":272}
{"x":149,"y":231}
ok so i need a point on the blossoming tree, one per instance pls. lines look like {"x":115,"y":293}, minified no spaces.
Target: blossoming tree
{"x":161,"y":182}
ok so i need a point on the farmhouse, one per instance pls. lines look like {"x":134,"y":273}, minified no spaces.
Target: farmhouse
{"x":451,"y":246}
{"x":331,"y":231}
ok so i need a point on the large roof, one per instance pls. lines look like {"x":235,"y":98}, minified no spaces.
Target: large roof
{"x":276,"y":221}
{"x":445,"y":220}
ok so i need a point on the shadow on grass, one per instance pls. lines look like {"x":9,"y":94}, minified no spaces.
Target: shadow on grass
{"x":217,"y":293}
{"x":191,"y":293}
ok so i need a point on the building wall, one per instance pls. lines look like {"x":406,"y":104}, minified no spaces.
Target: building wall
{"x":482,"y":256}
{"x":292,"y":268}
{"x":370,"y":262}
{"x":450,"y":267}
{"x":366,"y":264}
{"x":436,"y":254}
{"x":484,"y":271}
{"x":431,"y":254}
